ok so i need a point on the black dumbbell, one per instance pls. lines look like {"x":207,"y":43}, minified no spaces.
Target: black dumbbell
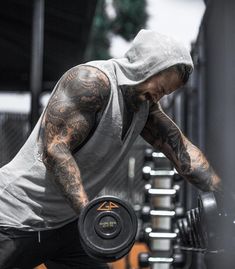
{"x":145,"y":260}
{"x":217,"y":218}
{"x":214,"y":223}
{"x":201,"y":229}
{"x":107,"y":228}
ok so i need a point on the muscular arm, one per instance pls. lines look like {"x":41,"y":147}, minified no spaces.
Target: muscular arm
{"x":162,"y":133}
{"x":70,"y":116}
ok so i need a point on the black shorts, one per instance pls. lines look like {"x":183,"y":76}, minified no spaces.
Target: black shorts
{"x":57,"y":249}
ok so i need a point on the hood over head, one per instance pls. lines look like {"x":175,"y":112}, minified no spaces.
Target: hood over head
{"x":150,"y":53}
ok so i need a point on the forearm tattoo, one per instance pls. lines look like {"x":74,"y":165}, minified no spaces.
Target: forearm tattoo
{"x":69,"y":118}
{"x":161,"y":132}
{"x":201,"y":173}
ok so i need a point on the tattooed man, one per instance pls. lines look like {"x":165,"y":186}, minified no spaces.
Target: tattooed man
{"x":94,"y":114}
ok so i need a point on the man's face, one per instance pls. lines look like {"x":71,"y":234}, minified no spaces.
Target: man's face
{"x":159,"y":85}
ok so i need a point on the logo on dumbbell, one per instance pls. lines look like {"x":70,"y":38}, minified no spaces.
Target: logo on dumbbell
{"x":107,"y":206}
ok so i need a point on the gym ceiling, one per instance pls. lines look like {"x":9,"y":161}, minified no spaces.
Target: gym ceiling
{"x":66,"y":32}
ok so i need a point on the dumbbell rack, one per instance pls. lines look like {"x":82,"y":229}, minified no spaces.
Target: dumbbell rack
{"x":159,"y":212}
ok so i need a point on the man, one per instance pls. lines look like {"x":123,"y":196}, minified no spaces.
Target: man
{"x":95,"y":113}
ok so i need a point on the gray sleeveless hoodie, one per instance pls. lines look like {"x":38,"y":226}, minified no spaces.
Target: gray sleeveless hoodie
{"x":29,"y":200}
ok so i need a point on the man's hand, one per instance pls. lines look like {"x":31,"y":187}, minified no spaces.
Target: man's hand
{"x":69,"y":119}
{"x":163,"y":134}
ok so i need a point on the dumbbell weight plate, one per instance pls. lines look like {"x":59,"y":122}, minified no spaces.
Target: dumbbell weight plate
{"x":183,"y":232}
{"x":208,"y":215}
{"x":107,"y":228}
{"x":181,"y":235}
{"x":197,"y":225}
{"x":192,"y":238}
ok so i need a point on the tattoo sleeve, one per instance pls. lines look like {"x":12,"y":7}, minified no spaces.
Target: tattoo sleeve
{"x":69,"y":118}
{"x":163,"y":134}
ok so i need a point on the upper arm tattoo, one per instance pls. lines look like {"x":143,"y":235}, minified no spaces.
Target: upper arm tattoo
{"x":70,"y":115}
{"x":161,"y":132}
{"x":69,"y":118}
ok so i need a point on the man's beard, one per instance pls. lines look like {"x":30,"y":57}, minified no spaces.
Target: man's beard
{"x":131,"y":97}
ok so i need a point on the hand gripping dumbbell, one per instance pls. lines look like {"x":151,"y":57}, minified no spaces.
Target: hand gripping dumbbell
{"x":107,"y":228}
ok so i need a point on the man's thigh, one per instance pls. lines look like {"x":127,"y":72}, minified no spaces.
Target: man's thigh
{"x":71,"y":253}
{"x":7,"y":250}
{"x":17,"y":251}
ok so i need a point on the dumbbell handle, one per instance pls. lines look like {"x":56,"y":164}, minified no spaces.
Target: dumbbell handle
{"x":158,"y":173}
{"x":158,"y":155}
{"x":163,"y":173}
{"x":145,"y":259}
{"x":149,"y":234}
{"x":147,"y":213}
{"x":160,"y":260}
{"x":161,"y":235}
{"x":148,"y":171}
{"x":203,"y":250}
{"x":162,"y":213}
{"x":162,"y":192}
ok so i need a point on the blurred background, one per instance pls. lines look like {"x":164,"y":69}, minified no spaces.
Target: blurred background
{"x":40,"y":40}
